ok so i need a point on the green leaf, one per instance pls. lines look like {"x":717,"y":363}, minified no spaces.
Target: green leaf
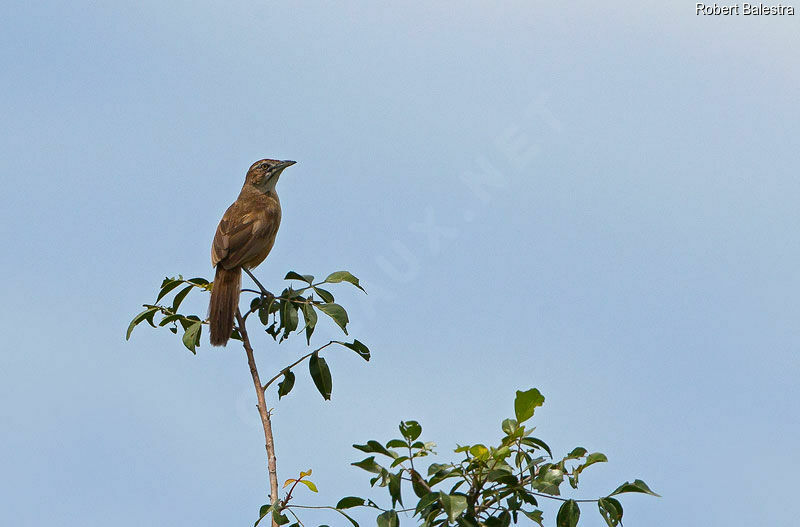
{"x":186,"y":322}
{"x":535,"y":516}
{"x":321,"y":375}
{"x":509,"y":426}
{"x":383,"y":477}
{"x":399,"y":460}
{"x":442,"y":475}
{"x":388,"y":519}
{"x":202,"y":282}
{"x":396,"y":443}
{"x":149,"y":317}
{"x":351,"y":520}
{"x":454,"y":505}
{"x":525,"y":403}
{"x":637,"y":486}
{"x":418,"y":484}
{"x":191,"y":338}
{"x":291,"y":275}
{"x":150,"y":311}
{"x":358,"y":347}
{"x":324,"y":294}
{"x":166,"y":286}
{"x":410,"y":429}
{"x":369,"y":465}
{"x":433,"y":468}
{"x":289,"y":318}
{"x":501,"y":520}
{"x":176,"y":303}
{"x":573,"y":480}
{"x":279,"y":518}
{"x":591,"y":459}
{"x":263,"y":309}
{"x":611,"y":511}
{"x":343,"y":276}
{"x":167,"y":319}
{"x":596,"y":457}
{"x":537,"y":443}
{"x":310,"y":316}
{"x":394,"y":488}
{"x":502,"y":476}
{"x":309,"y":484}
{"x":568,"y":514}
{"x":350,"y":502}
{"x":479,"y":451}
{"x":337,"y":313}
{"x":255,"y":303}
{"x":273,"y":305}
{"x":427,"y":500}
{"x":548,"y":480}
{"x":501,"y":453}
{"x":373,"y":446}
{"x":527,"y":497}
{"x":465,"y":521}
{"x":265,"y":509}
{"x":286,"y":385}
{"x":576,"y":453}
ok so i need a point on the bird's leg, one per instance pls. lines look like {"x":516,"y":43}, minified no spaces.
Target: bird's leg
{"x":264,"y":291}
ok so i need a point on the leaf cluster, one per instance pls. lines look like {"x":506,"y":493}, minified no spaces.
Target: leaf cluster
{"x":489,"y":486}
{"x":279,"y":314}
{"x":192,"y":325}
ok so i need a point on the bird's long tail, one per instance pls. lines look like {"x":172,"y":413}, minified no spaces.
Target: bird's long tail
{"x":223,"y":304}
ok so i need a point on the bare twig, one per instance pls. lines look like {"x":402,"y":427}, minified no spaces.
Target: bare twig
{"x":263,"y":289}
{"x":296,"y":517}
{"x":372,"y":506}
{"x":263,"y":412}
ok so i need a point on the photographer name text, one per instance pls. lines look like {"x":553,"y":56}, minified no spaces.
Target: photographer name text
{"x":746,"y":9}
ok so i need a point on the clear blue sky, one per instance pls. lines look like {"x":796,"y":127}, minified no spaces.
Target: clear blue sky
{"x":600,"y":200}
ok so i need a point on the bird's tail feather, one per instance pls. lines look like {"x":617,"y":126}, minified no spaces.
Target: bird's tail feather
{"x":223,"y":304}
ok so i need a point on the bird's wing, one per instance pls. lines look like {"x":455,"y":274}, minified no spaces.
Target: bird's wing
{"x":243,"y":237}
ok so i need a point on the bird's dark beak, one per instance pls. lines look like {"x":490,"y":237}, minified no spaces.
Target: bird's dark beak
{"x":276,"y":171}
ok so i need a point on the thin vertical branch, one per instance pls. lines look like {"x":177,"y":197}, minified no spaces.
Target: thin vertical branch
{"x":263,"y":412}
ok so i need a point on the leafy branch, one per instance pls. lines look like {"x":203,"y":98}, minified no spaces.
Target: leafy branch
{"x":489,"y":486}
{"x":279,"y":315}
{"x":492,"y":486}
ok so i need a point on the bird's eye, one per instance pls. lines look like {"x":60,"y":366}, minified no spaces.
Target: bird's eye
{"x":264,"y":165}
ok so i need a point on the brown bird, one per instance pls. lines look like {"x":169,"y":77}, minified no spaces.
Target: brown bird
{"x":244,"y":237}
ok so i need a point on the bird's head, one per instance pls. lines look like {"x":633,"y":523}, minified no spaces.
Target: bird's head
{"x":264,"y":174}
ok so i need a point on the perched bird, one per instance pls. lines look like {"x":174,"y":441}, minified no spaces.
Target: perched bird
{"x":244,"y":237}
